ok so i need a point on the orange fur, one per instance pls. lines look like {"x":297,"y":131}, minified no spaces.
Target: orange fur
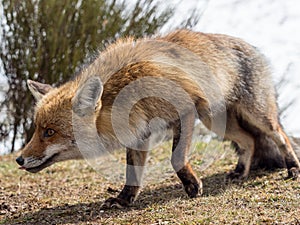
{"x":197,"y":71}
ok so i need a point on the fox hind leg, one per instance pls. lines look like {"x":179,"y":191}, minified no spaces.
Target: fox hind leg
{"x":286,"y":149}
{"x":246,"y":145}
{"x":270,"y":126}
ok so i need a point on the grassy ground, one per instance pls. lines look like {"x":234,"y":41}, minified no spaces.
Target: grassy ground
{"x":72,"y":193}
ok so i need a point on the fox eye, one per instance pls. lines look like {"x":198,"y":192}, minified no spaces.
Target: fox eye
{"x":49,"y":132}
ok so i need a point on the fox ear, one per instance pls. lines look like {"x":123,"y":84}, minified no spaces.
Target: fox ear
{"x":86,"y":98}
{"x":37,"y":89}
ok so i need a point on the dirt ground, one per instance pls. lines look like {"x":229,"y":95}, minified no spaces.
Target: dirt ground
{"x":72,"y":193}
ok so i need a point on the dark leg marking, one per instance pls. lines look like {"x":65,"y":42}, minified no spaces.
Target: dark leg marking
{"x":192,"y":186}
{"x":124,"y":199}
{"x":182,"y":137}
{"x":236,"y":174}
{"x":136,"y":160}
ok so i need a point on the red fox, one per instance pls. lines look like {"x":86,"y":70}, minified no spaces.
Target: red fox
{"x":137,"y":88}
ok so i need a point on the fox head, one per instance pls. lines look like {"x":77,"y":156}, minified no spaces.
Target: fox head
{"x":53,"y":139}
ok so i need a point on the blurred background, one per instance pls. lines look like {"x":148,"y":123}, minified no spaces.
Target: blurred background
{"x":48,"y":41}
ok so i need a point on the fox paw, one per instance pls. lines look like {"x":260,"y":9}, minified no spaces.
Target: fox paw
{"x":193,"y":189}
{"x":115,"y":203}
{"x":294,"y":173}
{"x":235,"y":176}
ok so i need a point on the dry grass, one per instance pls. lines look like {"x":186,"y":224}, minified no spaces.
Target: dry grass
{"x":72,"y":193}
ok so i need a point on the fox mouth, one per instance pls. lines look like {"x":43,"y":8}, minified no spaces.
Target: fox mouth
{"x":42,"y":166}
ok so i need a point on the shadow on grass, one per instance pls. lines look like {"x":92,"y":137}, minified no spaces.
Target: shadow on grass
{"x":83,"y":212}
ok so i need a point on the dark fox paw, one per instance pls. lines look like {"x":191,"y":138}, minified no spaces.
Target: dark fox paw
{"x":294,"y":173}
{"x":238,"y":174}
{"x":193,"y":189}
{"x":115,"y":203}
{"x":235,"y":176}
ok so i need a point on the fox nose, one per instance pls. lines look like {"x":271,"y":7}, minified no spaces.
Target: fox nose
{"x":20,"y":160}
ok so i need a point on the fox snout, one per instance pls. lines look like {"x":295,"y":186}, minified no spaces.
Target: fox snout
{"x":20,"y":160}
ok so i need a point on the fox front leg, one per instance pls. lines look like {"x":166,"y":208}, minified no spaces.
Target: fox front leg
{"x":136,"y":160}
{"x":182,"y":138}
